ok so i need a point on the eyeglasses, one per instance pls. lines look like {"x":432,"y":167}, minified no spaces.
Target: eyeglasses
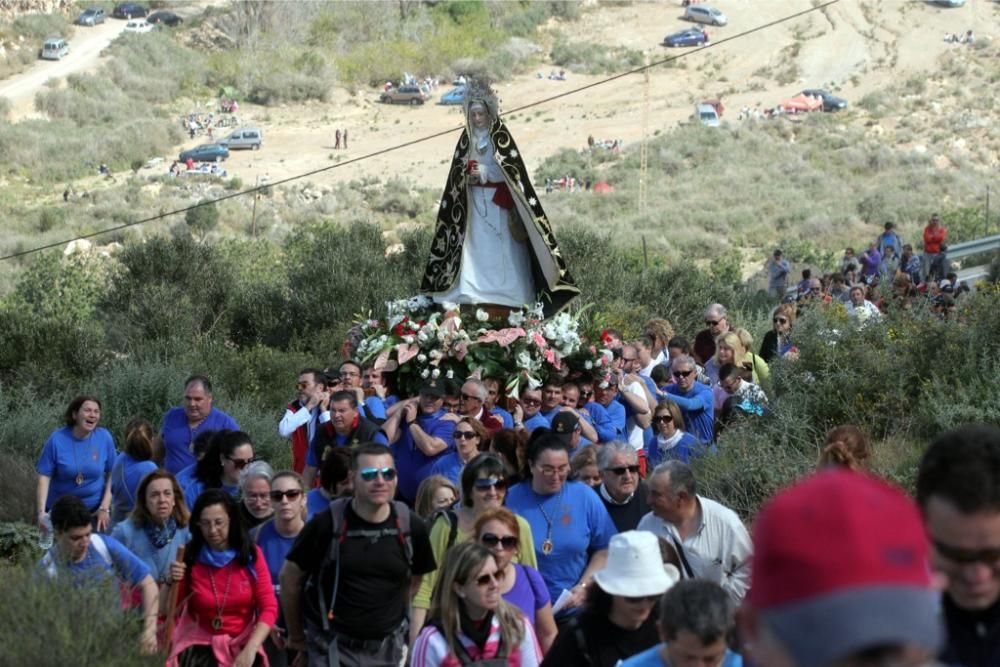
{"x":531,"y":401}
{"x":468,"y":397}
{"x":465,"y":435}
{"x":682,"y":374}
{"x":257,"y":497}
{"x":291,"y":494}
{"x":646,"y":599}
{"x":586,"y":394}
{"x":484,"y":483}
{"x":369,"y":474}
{"x":485,"y":579}
{"x":552,"y":470}
{"x":208,"y":524}
{"x":301,"y":385}
{"x":989,"y":556}
{"x":240,"y":464}
{"x":663,"y":419}
{"x":781,"y":320}
{"x":621,"y":470}
{"x":712,"y":323}
{"x":508,"y":542}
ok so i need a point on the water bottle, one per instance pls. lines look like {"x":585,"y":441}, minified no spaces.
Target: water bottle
{"x":45,"y":534}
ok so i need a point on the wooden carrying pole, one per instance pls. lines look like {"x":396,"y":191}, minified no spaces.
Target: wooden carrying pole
{"x":168,"y":632}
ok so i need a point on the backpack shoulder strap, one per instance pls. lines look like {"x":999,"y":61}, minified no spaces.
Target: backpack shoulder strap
{"x":97,"y":542}
{"x":403,"y":514}
{"x":581,"y":639}
{"x":452,"y":518}
{"x":338,"y":520}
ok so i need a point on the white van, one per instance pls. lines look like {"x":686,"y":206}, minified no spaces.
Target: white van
{"x":705,"y":14}
{"x":54,"y":48}
{"x":707,"y":115}
{"x":245,"y":137}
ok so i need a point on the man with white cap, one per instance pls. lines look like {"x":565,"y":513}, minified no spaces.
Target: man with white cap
{"x":617,"y":621}
{"x":841,"y":578}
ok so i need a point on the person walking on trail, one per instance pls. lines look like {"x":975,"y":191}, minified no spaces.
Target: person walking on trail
{"x":778,"y":269}
{"x":345,"y":138}
{"x":336,"y":140}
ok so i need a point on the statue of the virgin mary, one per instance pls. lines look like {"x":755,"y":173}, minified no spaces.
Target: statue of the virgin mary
{"x":493,"y":244}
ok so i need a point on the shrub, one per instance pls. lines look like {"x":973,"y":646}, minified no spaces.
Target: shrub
{"x":203,"y":218}
{"x":591,"y":58}
{"x":40,"y":26}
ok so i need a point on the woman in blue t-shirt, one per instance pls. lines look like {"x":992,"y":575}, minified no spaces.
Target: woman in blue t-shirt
{"x":130,"y":467}
{"x":275,"y":539}
{"x":76,"y":460}
{"x":229,"y":452}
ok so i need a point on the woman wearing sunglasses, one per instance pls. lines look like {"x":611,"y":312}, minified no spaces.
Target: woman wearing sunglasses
{"x":669,"y":440}
{"x":228,"y":454}
{"x":778,"y":341}
{"x":470,"y":621}
{"x":470,"y":437}
{"x":484,"y":486}
{"x":618,"y":620}
{"x":275,"y":538}
{"x":497,"y":529}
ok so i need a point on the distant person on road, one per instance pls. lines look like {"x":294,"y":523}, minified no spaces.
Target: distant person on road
{"x":336,"y":140}
{"x":778,"y":269}
{"x":344,"y":135}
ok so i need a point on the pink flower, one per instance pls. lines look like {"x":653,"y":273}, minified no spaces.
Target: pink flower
{"x":539,"y":340}
{"x":461,"y":350}
{"x":405,"y":352}
{"x":550,"y":356}
{"x":503,"y":337}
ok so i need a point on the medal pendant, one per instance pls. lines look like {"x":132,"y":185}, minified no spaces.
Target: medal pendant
{"x":547,"y":546}
{"x":79,"y":480}
{"x":217,"y":623}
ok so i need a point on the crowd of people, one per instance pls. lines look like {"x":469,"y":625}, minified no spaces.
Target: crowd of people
{"x":564,"y":526}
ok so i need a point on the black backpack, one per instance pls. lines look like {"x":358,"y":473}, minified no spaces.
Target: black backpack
{"x":341,"y":531}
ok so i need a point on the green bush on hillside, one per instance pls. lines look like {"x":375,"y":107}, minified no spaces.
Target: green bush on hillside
{"x":40,"y":26}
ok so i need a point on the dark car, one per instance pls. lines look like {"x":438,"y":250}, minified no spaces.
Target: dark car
{"x":129,"y":10}
{"x":830,"y":102}
{"x":91,"y":16}
{"x":689,"y":37}
{"x":166,"y":18}
{"x":205,"y":153}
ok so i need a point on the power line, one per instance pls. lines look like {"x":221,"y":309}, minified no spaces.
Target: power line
{"x":414,"y":142}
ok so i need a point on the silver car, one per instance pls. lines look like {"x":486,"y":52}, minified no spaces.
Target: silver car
{"x":91,"y":16}
{"x":705,"y":14}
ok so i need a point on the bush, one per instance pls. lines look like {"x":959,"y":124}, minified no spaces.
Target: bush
{"x":591,"y":58}
{"x":40,"y":26}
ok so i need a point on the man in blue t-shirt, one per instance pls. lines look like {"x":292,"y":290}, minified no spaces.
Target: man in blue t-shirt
{"x":694,"y":399}
{"x":183,"y":424}
{"x":419,"y":437}
{"x":528,"y":413}
{"x":90,"y":559}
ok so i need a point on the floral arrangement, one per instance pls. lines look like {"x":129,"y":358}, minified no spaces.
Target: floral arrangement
{"x":422,"y":340}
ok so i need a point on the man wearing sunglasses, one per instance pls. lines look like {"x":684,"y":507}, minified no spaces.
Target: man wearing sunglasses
{"x":694,"y":399}
{"x":472,"y":404}
{"x":716,"y":324}
{"x":528,"y":412}
{"x":356,"y":604}
{"x":299,"y":421}
{"x":621,"y":490}
{"x":958,"y":489}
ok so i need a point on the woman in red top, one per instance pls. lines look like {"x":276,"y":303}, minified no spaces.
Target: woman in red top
{"x":227,"y":600}
{"x":934,"y":238}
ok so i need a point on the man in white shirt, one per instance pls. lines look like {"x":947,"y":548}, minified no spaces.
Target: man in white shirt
{"x":299,"y":421}
{"x":712,"y":542}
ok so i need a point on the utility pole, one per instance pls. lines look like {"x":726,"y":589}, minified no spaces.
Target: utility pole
{"x":643,"y":150}
{"x":987,"y":231}
{"x":253,"y":215}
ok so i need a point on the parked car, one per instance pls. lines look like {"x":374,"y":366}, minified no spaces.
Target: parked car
{"x":91,"y":16}
{"x":801,"y":104}
{"x":403,"y":95}
{"x":454,"y":96}
{"x":54,"y":48}
{"x":138,"y":26}
{"x":129,"y":10}
{"x":245,"y":137}
{"x":830,"y":102}
{"x":949,"y":3}
{"x":707,"y":115}
{"x":689,"y":37}
{"x":165,"y":18}
{"x":705,"y":14}
{"x":205,"y":153}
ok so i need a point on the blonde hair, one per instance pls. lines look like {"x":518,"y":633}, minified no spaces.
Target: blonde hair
{"x":424,"y":504}
{"x":585,"y":456}
{"x":847,"y":447}
{"x":745,"y":337}
{"x":731,"y":340}
{"x":461,"y":563}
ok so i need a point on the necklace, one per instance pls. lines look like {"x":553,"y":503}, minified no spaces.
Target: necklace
{"x":219,"y":606}
{"x":547,"y":543}
{"x":79,"y":479}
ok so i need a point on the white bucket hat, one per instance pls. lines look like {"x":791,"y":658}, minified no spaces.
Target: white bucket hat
{"x":635,"y":568}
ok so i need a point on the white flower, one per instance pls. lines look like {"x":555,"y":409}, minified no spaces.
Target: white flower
{"x":523,"y":359}
{"x":516,"y":318}
{"x":422,"y":358}
{"x":532,"y":201}
{"x":436,"y":355}
{"x":481,"y":315}
{"x":407,"y":338}
{"x":425,"y":373}
{"x":436,"y":373}
{"x":450,"y":374}
{"x":448,"y":305}
{"x":588,"y":364}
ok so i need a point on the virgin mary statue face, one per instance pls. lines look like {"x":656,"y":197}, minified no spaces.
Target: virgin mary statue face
{"x":479,"y":118}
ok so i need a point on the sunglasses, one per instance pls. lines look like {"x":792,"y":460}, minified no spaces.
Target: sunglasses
{"x":240,"y":464}
{"x":586,"y":394}
{"x":464,"y":435}
{"x":508,"y":542}
{"x":967,"y":556}
{"x":712,"y":323}
{"x":291,"y":494}
{"x":485,"y":579}
{"x":663,"y":419}
{"x":682,"y":374}
{"x":301,"y":385}
{"x":621,"y":470}
{"x":646,"y":599}
{"x":369,"y":474}
{"x":467,"y":397}
{"x":484,"y":483}
{"x":531,"y":401}
{"x":781,"y":320}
